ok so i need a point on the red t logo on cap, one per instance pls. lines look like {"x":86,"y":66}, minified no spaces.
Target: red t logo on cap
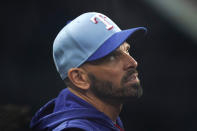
{"x":102,"y":19}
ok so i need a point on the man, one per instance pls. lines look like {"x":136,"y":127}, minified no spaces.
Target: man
{"x":92,"y":57}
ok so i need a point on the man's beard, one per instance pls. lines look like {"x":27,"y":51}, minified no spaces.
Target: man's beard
{"x":107,"y":91}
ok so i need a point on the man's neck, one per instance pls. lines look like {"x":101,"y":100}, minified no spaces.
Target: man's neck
{"x":109,"y":109}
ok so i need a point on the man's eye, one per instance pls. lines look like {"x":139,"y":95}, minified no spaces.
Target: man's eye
{"x":127,"y":50}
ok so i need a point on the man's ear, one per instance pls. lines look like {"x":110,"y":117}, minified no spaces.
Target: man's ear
{"x":79,"y":78}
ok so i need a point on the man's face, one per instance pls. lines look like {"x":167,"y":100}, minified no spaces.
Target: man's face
{"x":114,"y":77}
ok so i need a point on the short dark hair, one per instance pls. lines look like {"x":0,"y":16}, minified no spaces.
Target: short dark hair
{"x":68,"y":82}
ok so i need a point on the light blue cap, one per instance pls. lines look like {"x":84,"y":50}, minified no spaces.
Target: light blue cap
{"x":88,"y":37}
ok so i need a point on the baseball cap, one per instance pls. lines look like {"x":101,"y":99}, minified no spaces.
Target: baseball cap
{"x":88,"y":37}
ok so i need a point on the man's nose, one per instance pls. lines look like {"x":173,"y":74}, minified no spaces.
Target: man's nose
{"x":130,"y":62}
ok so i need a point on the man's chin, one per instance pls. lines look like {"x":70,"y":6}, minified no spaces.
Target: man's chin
{"x":133,"y":98}
{"x":134,"y":91}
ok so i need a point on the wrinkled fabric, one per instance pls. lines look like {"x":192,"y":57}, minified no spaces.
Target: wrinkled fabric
{"x":69,"y":111}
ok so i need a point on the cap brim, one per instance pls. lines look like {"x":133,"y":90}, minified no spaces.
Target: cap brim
{"x":115,"y":41}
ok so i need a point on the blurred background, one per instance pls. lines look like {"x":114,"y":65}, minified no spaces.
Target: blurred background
{"x":167,"y":59}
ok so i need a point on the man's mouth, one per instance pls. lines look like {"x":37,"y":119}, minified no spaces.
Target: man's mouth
{"x":132,"y":78}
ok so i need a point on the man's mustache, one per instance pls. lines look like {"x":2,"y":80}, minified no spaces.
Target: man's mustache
{"x":128,"y":74}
